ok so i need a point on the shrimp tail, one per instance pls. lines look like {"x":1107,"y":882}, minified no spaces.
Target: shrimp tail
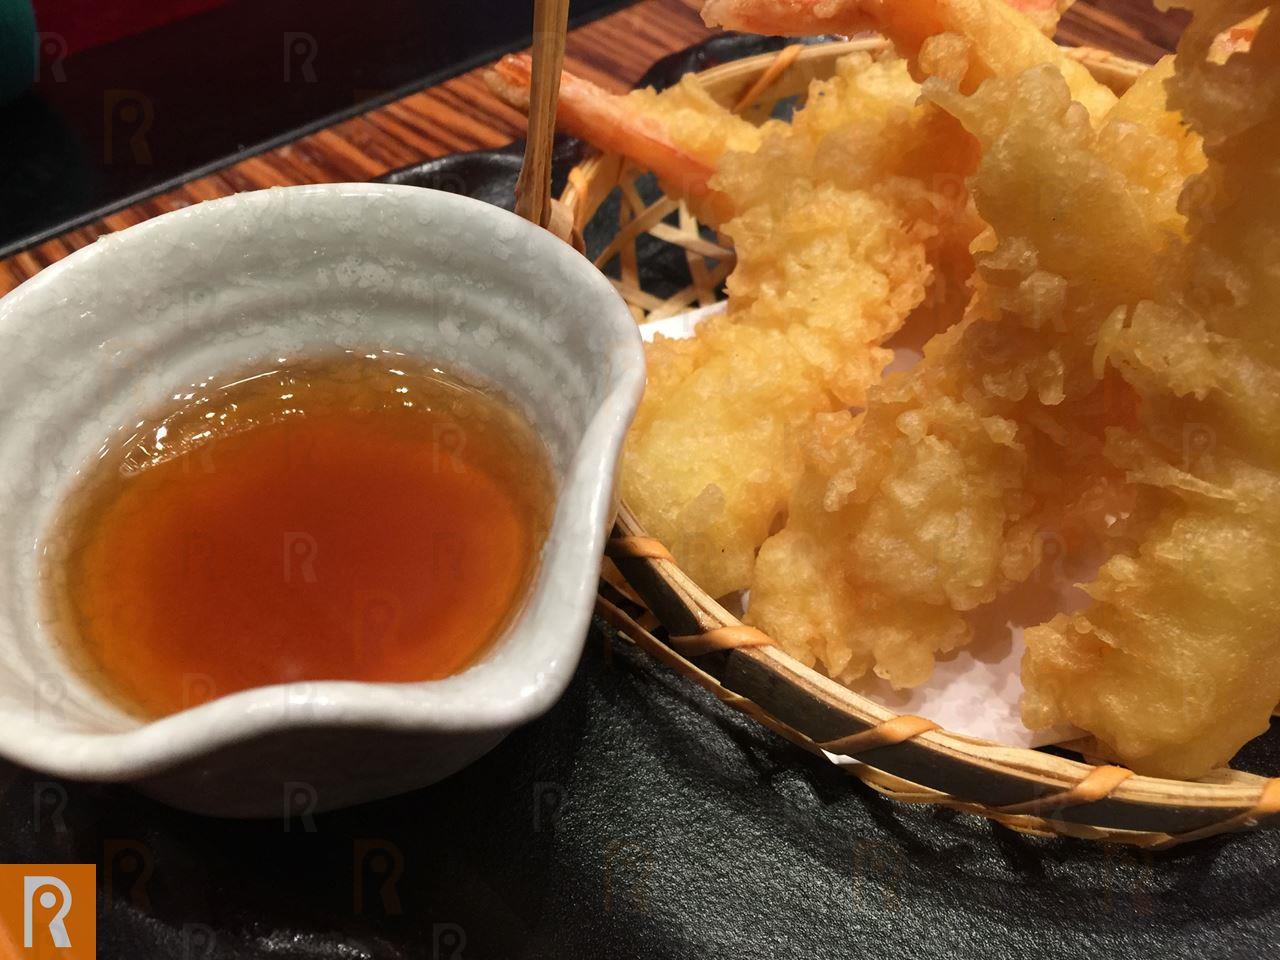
{"x":610,"y":124}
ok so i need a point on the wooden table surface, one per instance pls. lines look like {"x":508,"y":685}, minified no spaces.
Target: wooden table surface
{"x":461,"y":114}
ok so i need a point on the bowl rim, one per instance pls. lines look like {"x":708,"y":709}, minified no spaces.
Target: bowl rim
{"x":157,"y":745}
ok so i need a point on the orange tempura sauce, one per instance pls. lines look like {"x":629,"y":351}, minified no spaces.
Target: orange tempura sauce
{"x":356,"y":517}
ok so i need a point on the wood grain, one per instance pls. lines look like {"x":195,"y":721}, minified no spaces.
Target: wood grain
{"x":461,"y":114}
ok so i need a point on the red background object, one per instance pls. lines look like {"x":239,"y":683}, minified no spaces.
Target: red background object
{"x":91,"y":23}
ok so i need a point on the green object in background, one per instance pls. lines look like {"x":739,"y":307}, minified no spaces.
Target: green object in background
{"x":17,"y":47}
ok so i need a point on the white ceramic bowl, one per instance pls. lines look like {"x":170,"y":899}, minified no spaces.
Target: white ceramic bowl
{"x":112,"y":330}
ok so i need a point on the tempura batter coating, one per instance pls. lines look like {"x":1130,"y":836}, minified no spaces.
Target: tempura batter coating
{"x":1177,"y":664}
{"x":690,"y":117}
{"x":712,"y":456}
{"x":942,"y":494}
{"x":846,"y":220}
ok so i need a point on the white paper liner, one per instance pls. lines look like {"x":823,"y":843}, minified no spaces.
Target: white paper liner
{"x":973,"y":691}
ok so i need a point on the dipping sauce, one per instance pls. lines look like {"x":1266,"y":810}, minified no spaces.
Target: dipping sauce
{"x":355,"y":517}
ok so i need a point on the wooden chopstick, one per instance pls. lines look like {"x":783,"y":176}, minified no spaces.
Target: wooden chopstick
{"x":533,"y":188}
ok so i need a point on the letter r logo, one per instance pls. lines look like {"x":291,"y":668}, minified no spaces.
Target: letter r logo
{"x":49,"y":900}
{"x":47,"y":910}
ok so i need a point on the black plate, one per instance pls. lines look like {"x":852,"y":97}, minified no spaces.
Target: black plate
{"x":639,"y":818}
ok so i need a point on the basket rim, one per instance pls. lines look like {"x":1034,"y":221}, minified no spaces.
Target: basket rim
{"x":1000,"y":782}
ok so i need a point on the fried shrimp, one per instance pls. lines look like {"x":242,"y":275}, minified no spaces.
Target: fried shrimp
{"x":845,"y":222}
{"x":1001,"y":39}
{"x":873,"y":225}
{"x":1119,"y":360}
{"x":939,"y":496}
{"x":1115,"y":373}
{"x":1177,"y":663}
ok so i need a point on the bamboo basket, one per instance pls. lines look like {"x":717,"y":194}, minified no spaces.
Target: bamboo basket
{"x":905,"y":757}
